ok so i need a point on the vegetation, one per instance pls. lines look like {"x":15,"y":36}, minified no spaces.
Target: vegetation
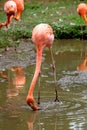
{"x":60,"y":14}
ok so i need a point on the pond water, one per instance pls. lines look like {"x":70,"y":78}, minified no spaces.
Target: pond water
{"x":68,"y":114}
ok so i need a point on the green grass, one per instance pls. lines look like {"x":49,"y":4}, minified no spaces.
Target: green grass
{"x":61,"y":15}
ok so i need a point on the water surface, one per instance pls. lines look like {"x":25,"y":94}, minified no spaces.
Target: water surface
{"x":16,"y":72}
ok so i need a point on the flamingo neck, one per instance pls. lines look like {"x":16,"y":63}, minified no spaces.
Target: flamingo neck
{"x":37,"y":71}
{"x":85,"y":18}
{"x":9,"y":19}
{"x":84,"y":62}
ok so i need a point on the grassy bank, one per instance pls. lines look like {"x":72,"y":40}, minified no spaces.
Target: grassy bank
{"x":61,"y":15}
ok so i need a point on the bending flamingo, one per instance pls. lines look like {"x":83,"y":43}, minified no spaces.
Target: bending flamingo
{"x":83,"y":65}
{"x":82,"y":11}
{"x":42,"y":36}
{"x":13,"y":9}
{"x":10,"y":9}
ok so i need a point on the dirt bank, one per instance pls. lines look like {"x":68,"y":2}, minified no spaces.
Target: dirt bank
{"x":23,"y":56}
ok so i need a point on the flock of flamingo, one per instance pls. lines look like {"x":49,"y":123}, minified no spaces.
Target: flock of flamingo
{"x":42,"y":36}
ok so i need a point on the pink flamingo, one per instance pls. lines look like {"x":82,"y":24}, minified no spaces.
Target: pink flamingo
{"x":82,"y":11}
{"x":13,"y":9}
{"x":83,"y":65}
{"x":42,"y":36}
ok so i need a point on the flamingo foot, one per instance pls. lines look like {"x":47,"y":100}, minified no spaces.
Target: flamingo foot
{"x":56,"y":99}
{"x":32,"y":104}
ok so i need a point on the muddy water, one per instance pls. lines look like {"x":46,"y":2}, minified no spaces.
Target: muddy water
{"x":16,"y":72}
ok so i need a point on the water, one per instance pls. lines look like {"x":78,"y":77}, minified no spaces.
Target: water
{"x":69,"y":113}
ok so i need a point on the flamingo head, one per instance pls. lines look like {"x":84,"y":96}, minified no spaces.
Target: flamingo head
{"x":10,"y":8}
{"x":31,"y":103}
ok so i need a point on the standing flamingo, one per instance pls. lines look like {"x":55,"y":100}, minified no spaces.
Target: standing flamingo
{"x":42,"y":36}
{"x":82,"y":11}
{"x":13,"y":9}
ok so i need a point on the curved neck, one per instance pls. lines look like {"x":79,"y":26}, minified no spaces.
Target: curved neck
{"x":84,"y":62}
{"x":85,"y":18}
{"x":37,"y":71}
{"x":9,"y":19}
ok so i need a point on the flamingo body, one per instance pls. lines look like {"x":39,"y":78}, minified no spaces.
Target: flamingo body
{"x":82,"y":10}
{"x":42,"y":36}
{"x":20,"y":5}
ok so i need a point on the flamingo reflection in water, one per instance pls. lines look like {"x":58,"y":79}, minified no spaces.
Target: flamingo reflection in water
{"x":3,"y":75}
{"x":13,"y":9}
{"x":19,"y":78}
{"x":16,"y":79}
{"x":31,"y":120}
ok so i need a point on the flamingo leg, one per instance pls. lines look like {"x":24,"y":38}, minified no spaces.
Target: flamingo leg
{"x":54,"y":73}
{"x":81,"y":31}
{"x":86,"y":52}
{"x":39,"y":88}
